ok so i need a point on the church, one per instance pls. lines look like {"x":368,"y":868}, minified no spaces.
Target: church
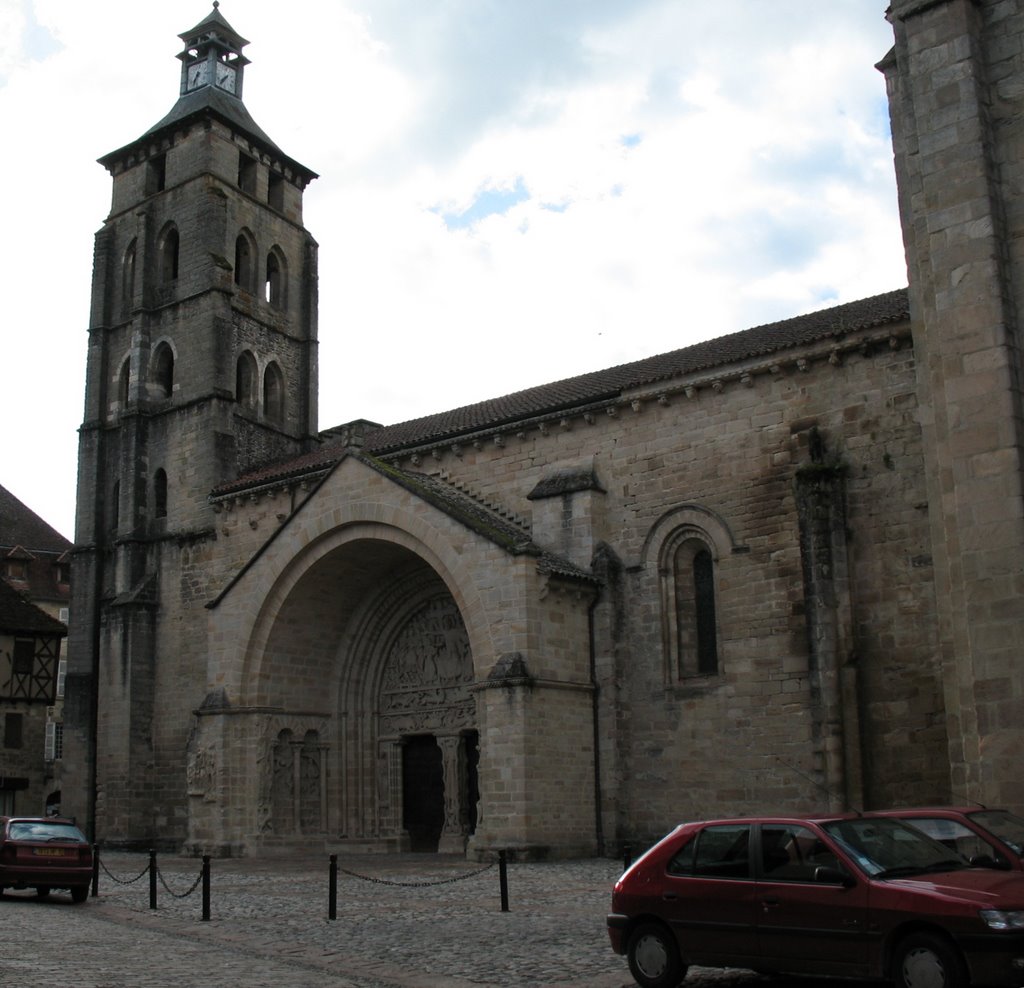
{"x":781,"y":570}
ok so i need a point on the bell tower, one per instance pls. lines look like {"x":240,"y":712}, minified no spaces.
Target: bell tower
{"x":202,"y":363}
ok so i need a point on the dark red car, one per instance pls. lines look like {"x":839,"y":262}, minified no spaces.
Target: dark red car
{"x":44,"y":853}
{"x":845,"y":896}
{"x":976,"y":832}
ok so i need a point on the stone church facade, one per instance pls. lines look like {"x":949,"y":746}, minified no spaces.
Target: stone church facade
{"x":778,"y":570}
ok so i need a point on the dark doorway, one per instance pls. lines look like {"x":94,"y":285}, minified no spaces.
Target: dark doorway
{"x":471,"y":740}
{"x":422,"y":792}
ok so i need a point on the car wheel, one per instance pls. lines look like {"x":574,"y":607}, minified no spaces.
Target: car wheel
{"x":79,"y":893}
{"x":924,"y":960}
{"x":42,"y":891}
{"x":654,"y":958}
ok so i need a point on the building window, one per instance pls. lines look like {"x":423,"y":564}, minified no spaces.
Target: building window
{"x":246,"y":174}
{"x":244,"y":262}
{"x":128,"y":278}
{"x":54,"y":741}
{"x":16,"y":570}
{"x":246,"y":380}
{"x":163,"y":370}
{"x":160,"y":494}
{"x":695,"y":618}
{"x":62,"y":668}
{"x":13,"y":726}
{"x":156,"y":174}
{"x":115,"y":506}
{"x":274,"y":283}
{"x":123,"y":383}
{"x":688,"y":557}
{"x":23,"y":657}
{"x":273,"y":393}
{"x":169,"y":256}
{"x":275,"y":191}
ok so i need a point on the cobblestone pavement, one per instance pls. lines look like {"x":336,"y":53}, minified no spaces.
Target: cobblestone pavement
{"x":268,"y":927}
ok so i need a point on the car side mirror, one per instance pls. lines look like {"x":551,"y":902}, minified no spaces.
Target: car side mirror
{"x":825,"y":875}
{"x":987,"y":861}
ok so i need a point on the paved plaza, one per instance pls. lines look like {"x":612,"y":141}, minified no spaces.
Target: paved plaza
{"x":418,"y":922}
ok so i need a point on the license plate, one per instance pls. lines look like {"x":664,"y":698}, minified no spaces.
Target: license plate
{"x":49,"y":852}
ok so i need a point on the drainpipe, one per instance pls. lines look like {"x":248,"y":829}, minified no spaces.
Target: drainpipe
{"x":595,"y":698}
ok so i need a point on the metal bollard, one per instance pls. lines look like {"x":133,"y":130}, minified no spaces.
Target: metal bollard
{"x":503,"y":878}
{"x":332,"y":889}
{"x":206,"y":886}
{"x":152,"y":879}
{"x":95,"y":870}
{"x":627,"y":856}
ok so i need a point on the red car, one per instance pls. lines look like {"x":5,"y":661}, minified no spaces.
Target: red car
{"x":846,"y":896}
{"x":973,"y":831}
{"x":44,"y":853}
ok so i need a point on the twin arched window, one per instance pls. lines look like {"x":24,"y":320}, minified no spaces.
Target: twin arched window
{"x":275,"y":280}
{"x":247,"y":388}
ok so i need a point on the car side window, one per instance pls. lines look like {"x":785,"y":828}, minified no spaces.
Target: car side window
{"x":718,"y":852}
{"x":791,"y":853}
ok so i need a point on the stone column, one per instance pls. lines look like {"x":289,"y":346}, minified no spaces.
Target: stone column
{"x":453,"y":834}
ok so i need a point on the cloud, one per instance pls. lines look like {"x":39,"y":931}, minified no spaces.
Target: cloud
{"x":510,"y":192}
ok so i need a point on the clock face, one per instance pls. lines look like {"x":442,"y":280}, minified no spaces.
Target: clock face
{"x":198,"y":75}
{"x":226,"y":77}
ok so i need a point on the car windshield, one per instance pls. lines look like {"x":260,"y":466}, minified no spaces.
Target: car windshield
{"x":43,"y":830}
{"x":1007,"y":827}
{"x":887,"y":848}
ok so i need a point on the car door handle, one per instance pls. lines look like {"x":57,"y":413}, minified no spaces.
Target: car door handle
{"x":770,"y":902}
{"x":669,"y":897}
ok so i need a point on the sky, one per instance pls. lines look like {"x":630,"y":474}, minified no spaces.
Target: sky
{"x":511,"y":191}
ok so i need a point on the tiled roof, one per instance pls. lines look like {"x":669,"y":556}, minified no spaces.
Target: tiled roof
{"x":26,"y":538}
{"x":578,"y":392}
{"x":21,"y":526}
{"x":19,"y":616}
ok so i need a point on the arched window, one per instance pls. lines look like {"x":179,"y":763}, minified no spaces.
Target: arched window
{"x":690,"y":541}
{"x":128,"y":278}
{"x":169,"y":256}
{"x":245,"y":253}
{"x":160,"y":494}
{"x":162,"y":375}
{"x":275,"y":283}
{"x":114,"y":511}
{"x":696,"y":620}
{"x":246,"y":380}
{"x":124,"y":380}
{"x":273,"y":394}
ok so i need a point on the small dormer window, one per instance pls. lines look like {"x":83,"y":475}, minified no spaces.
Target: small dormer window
{"x":17,"y":570}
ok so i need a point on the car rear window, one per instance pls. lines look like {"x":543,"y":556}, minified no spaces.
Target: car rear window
{"x":44,"y":831}
{"x":716,"y":852}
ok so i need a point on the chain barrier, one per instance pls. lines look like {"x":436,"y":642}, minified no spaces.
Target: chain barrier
{"x":417,"y":885}
{"x":179,"y":895}
{"x":114,"y":878}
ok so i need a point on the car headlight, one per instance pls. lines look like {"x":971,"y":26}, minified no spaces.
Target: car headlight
{"x":1003,"y":919}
